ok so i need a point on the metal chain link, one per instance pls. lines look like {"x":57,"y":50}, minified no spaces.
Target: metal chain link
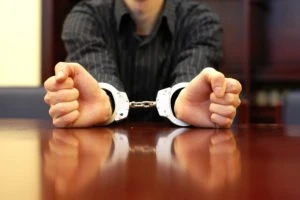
{"x":142,"y":104}
{"x":142,"y":149}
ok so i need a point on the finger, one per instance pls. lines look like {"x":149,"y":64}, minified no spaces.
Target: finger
{"x":224,"y":110}
{"x":66,"y":120}
{"x":60,"y":148}
{"x":64,"y":70}
{"x":223,"y":148}
{"x":52,"y":85}
{"x":61,"y":109}
{"x":65,"y":137}
{"x":60,"y":96}
{"x":227,"y":99}
{"x":221,"y":121}
{"x":216,"y":80}
{"x":233,"y":86}
{"x":221,"y":137}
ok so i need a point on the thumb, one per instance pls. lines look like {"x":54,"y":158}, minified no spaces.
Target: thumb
{"x":63,"y":71}
{"x":216,"y":80}
{"x":81,"y":77}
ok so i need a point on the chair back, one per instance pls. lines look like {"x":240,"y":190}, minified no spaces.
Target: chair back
{"x":291,"y":107}
{"x":23,"y":103}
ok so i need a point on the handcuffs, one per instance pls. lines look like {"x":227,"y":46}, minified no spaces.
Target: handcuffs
{"x":162,"y":103}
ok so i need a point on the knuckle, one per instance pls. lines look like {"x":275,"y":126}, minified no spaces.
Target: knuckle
{"x":76,"y":105}
{"x":48,"y":83}
{"x":226,"y":122}
{"x":239,"y":86}
{"x":51,"y":97}
{"x":238,"y":102}
{"x":231,"y":110}
{"x":230,"y":99}
{"x":46,"y":99}
{"x":61,"y":110}
{"x":52,"y":112}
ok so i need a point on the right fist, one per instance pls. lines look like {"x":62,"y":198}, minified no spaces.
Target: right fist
{"x":75,"y":98}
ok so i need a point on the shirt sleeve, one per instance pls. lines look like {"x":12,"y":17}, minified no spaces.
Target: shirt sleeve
{"x":83,"y":36}
{"x":200,"y":45}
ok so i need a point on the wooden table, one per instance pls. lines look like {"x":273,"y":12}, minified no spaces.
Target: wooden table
{"x":147,"y":161}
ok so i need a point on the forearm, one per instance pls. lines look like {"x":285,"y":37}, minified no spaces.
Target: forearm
{"x":85,"y":43}
{"x":201,"y":46}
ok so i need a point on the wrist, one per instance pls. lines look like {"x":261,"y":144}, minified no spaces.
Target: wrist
{"x":119,"y":103}
{"x":165,"y":105}
{"x":107,"y":106}
{"x":177,"y":106}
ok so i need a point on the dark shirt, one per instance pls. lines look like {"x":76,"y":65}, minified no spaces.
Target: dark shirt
{"x":100,"y":35}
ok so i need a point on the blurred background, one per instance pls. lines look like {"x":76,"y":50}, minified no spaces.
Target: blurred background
{"x":20,"y":42}
{"x":261,"y":46}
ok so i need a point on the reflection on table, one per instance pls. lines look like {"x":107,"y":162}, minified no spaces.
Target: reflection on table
{"x":74,"y":158}
{"x":148,"y":161}
{"x":76,"y":161}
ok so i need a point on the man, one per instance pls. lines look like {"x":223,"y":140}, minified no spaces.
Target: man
{"x":141,"y":47}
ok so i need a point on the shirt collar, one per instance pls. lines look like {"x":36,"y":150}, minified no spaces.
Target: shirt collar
{"x":120,"y":10}
{"x":168,"y":13}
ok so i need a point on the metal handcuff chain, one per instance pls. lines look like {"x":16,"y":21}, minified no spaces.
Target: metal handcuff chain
{"x":142,"y":104}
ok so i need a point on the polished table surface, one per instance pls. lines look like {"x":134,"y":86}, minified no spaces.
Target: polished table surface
{"x":148,"y":161}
